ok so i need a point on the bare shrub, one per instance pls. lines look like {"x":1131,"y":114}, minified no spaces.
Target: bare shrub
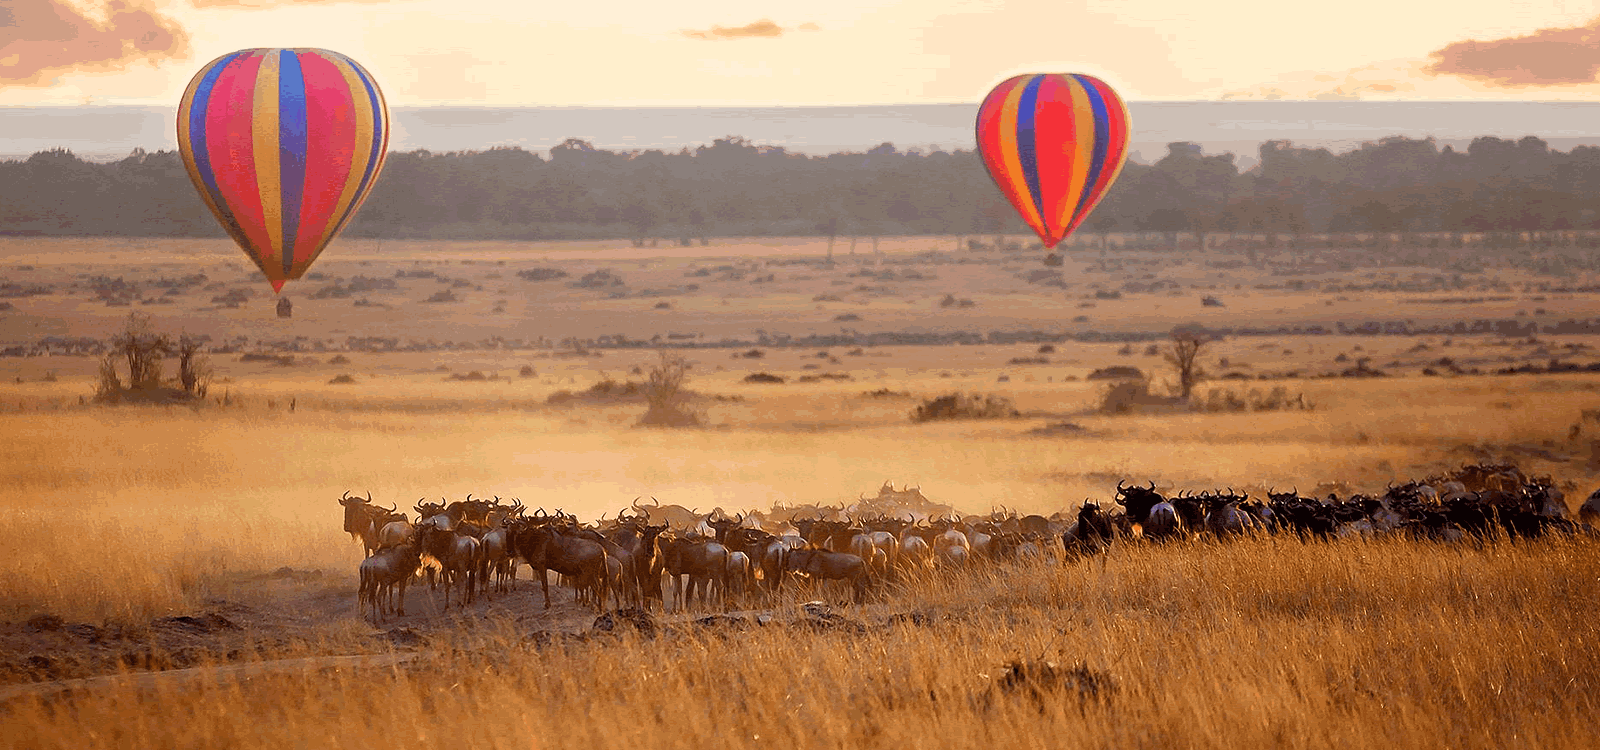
{"x":964,"y":406}
{"x":1184,"y":356}
{"x":664,"y":390}
{"x":1132,"y":397}
{"x":194,"y":367}
{"x":1229,"y":400}
{"x":142,"y":348}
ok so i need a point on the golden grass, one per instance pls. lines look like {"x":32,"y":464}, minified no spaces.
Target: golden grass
{"x":1257,"y":643}
{"x":195,"y":494}
{"x":121,"y":515}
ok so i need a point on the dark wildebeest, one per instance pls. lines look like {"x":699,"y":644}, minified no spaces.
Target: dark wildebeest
{"x":1090,"y":535}
{"x":703,"y":561}
{"x":1157,"y":517}
{"x":821,"y":564}
{"x":383,"y":573}
{"x":544,"y":549}
{"x":458,"y":556}
{"x":360,"y":521}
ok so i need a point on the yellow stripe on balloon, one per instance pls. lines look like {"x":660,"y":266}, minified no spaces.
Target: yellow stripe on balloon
{"x":264,"y":132}
{"x":361,"y":149}
{"x":1083,"y":149}
{"x":1012,"y":155}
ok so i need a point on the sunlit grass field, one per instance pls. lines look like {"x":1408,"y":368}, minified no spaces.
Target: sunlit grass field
{"x":1257,"y":644}
{"x":196,"y":493}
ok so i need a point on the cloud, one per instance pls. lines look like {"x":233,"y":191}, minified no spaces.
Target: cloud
{"x":40,"y":39}
{"x":762,"y":28}
{"x":260,"y":4}
{"x":1545,"y":57}
{"x":1381,"y":79}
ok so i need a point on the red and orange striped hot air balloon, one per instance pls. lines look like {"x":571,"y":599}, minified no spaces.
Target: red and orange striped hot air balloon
{"x":1054,"y":143}
{"x":283,"y":145}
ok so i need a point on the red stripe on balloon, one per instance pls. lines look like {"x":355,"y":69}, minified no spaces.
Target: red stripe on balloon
{"x":329,"y":154}
{"x":1056,"y":129}
{"x":230,"y":144}
{"x":993,"y":142}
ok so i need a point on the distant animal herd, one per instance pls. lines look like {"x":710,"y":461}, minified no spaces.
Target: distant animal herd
{"x":650,"y":551}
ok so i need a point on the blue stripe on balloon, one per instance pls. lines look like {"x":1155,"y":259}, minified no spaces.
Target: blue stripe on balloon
{"x":198,"y":108}
{"x":291,"y":149}
{"x":1102,"y":141}
{"x":1027,"y":146}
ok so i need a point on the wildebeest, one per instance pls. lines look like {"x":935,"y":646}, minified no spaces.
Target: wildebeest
{"x":459,"y":556}
{"x":1090,"y":535}
{"x":703,"y":561}
{"x":384,"y":577}
{"x":1157,"y":517}
{"x":360,"y":520}
{"x":580,"y":560}
{"x":821,"y":564}
{"x":1589,"y":512}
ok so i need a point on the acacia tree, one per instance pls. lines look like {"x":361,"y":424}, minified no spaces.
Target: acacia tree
{"x":1183,"y":354}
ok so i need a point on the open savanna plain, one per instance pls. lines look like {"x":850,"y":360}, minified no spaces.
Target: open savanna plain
{"x":177,"y":576}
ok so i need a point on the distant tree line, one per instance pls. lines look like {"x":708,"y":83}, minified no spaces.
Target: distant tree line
{"x":1517,"y":188}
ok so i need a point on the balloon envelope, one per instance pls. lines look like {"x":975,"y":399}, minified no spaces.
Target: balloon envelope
{"x":283,"y":145}
{"x":1053,"y":143}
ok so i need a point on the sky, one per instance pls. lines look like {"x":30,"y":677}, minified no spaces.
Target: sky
{"x":515,"y":53}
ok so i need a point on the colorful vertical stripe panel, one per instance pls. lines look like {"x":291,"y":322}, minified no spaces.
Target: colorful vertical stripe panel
{"x":1053,"y":143}
{"x":283,"y":145}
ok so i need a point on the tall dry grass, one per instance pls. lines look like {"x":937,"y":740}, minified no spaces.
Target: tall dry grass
{"x":184,"y":498}
{"x":1251,"y":644}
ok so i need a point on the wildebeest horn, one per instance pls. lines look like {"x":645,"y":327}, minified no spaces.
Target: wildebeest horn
{"x":1152,"y":485}
{"x":540,"y":513}
{"x":393,"y":508}
{"x":739,"y":520}
{"x":658,"y":502}
{"x":345,"y":499}
{"x":369,"y":496}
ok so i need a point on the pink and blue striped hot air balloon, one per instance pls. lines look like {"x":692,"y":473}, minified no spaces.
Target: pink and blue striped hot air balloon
{"x":1054,"y":143}
{"x":283,"y":145}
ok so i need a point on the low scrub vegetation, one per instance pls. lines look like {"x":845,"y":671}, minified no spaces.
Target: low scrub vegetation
{"x":964,"y":406}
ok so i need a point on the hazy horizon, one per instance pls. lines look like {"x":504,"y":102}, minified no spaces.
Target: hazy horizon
{"x":101,"y":132}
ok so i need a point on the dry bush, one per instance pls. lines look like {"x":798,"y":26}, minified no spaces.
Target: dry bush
{"x":1229,"y":400}
{"x":964,"y":406}
{"x":141,"y":348}
{"x":1134,"y":397}
{"x":664,"y":390}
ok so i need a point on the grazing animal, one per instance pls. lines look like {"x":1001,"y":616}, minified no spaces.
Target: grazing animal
{"x":702,"y":561}
{"x":1091,"y":535}
{"x":383,"y":572}
{"x":360,"y":520}
{"x":1589,"y":512}
{"x":820,"y":564}
{"x":459,"y":557}
{"x":581,"y":560}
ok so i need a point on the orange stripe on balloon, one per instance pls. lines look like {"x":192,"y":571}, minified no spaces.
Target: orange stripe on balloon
{"x":1082,"y":149}
{"x":1011,"y":157}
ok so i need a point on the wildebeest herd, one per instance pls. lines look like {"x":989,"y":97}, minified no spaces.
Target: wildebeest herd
{"x":476,"y":546}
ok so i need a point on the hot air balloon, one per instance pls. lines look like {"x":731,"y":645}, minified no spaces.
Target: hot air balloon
{"x":1053,"y":143}
{"x":283,"y":145}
